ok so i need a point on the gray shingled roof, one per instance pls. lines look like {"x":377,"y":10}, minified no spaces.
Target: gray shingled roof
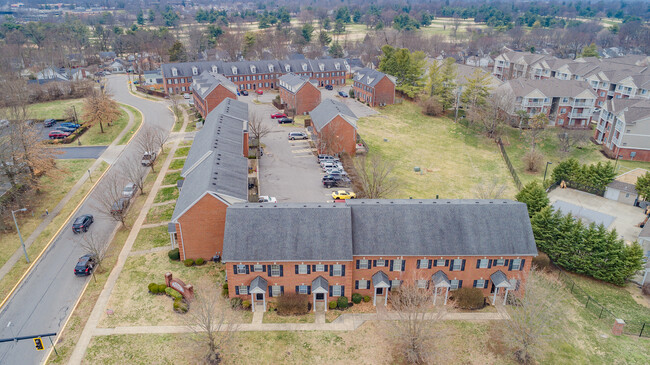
{"x":287,"y":232}
{"x":206,"y":82}
{"x":258,"y":283}
{"x":215,"y":163}
{"x":622,"y":186}
{"x":327,"y":110}
{"x":293,"y":82}
{"x":380,"y":279}
{"x":441,"y":228}
{"x":500,"y":280}
{"x":550,"y":87}
{"x":368,"y":76}
{"x":440,"y":279}
{"x":319,"y":282}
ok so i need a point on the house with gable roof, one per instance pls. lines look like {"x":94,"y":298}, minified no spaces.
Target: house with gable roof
{"x":373,"y":87}
{"x":299,"y":93}
{"x":210,"y":89}
{"x":624,"y":128}
{"x":334,"y":128}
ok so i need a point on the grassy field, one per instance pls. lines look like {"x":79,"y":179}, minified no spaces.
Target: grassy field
{"x":28,"y":224}
{"x":55,"y":109}
{"x":137,"y":116}
{"x":94,"y":136}
{"x":172,"y":178}
{"x":182,"y":152}
{"x":177,"y":164}
{"x":452,"y":159}
{"x":149,"y":238}
{"x":166,"y":194}
{"x":273,"y":317}
{"x":160,"y":214}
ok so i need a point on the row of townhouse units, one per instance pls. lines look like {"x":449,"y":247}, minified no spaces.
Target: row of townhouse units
{"x":567,"y":103}
{"x":210,"y":89}
{"x":253,"y":75}
{"x":624,"y":129}
{"x":610,"y":78}
{"x":371,"y":247}
{"x":373,"y":87}
{"x":299,"y":93}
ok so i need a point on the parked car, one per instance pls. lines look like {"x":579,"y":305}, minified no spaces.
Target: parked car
{"x":342,"y":195}
{"x":66,"y":129}
{"x":298,"y":135}
{"x":85,"y":265}
{"x":82,"y":222}
{"x":278,"y":115}
{"x":148,"y":158}
{"x":244,"y":92}
{"x":186,"y":96}
{"x":336,"y":170}
{"x":49,"y":122}
{"x":343,"y":94}
{"x":267,"y":199}
{"x":56,"y":134}
{"x":285,"y":120}
{"x":70,"y":125}
{"x":120,"y":206}
{"x":129,"y":190}
{"x":259,"y":91}
{"x":329,"y":87}
{"x":331,"y":165}
{"x":332,"y":180}
{"x":326,"y":158}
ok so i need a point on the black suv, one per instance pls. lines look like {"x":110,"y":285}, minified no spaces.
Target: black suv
{"x":335,"y":180}
{"x":329,"y":87}
{"x":82,"y":222}
{"x":85,"y":265}
{"x":120,"y":206}
{"x":285,"y":120}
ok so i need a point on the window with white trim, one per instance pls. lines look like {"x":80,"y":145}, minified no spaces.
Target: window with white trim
{"x":363,"y":284}
{"x":424,"y":264}
{"x":458,"y":264}
{"x":302,"y":289}
{"x":483,"y":263}
{"x":302,"y":269}
{"x":397,"y":265}
{"x":395,"y":283}
{"x":243,"y":290}
{"x":320,"y":268}
{"x":516,"y":264}
{"x":276,"y":290}
{"x":241,"y":269}
{"x":336,"y":290}
{"x":480,"y":283}
{"x":441,"y":262}
{"x":422,"y":284}
{"x":337,"y":270}
{"x":258,"y":268}
{"x":364,"y":264}
{"x":500,"y":262}
{"x":454,"y":284}
{"x":381,"y":263}
{"x":275,"y":270}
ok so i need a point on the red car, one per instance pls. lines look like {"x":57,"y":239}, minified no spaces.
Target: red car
{"x":259,"y":91}
{"x":58,"y":134}
{"x":278,"y":115}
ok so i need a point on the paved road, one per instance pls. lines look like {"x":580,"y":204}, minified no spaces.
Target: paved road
{"x":46,"y":297}
{"x":72,"y":153}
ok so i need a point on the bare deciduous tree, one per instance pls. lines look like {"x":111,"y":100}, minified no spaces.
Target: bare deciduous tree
{"x":493,"y":113}
{"x":151,"y":139}
{"x":572,"y":138}
{"x":100,"y":109}
{"x":537,"y":317}
{"x":94,"y":246}
{"x":536,"y":126}
{"x":492,"y":189}
{"x":209,"y":322}
{"x":258,"y":129}
{"x":110,"y":201}
{"x":134,"y":172}
{"x":375,"y":176}
{"x":413,"y":331}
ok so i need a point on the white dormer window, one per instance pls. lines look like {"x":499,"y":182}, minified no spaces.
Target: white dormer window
{"x":287,"y":68}
{"x":234,"y":70}
{"x":195,"y":71}
{"x":214,"y":68}
{"x":253,"y":69}
{"x":321,"y":66}
{"x":270,"y":67}
{"x":304,"y":67}
{"x":337,"y":66}
{"x":174,"y":71}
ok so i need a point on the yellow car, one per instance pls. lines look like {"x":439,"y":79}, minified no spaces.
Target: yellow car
{"x":342,"y":194}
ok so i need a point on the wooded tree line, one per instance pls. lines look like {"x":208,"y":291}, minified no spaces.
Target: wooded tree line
{"x":596,"y":175}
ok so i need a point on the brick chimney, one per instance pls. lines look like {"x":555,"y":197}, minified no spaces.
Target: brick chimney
{"x":245,"y":139}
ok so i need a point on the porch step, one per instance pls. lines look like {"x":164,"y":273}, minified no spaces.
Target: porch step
{"x":258,"y":316}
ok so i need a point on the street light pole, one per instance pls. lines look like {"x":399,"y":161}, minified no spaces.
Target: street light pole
{"x":546,"y":169}
{"x":18,"y":229}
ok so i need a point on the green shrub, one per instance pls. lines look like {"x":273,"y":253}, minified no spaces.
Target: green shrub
{"x":366,"y":298}
{"x":200,"y":261}
{"x":541,"y":261}
{"x":333,"y":304}
{"x":357,"y":298}
{"x":293,"y":304}
{"x":153,"y":288}
{"x":180,"y":306}
{"x":224,"y":286}
{"x":173,"y":293}
{"x":188,"y":262}
{"x":162,"y":288}
{"x":235,"y":303}
{"x":246,"y":304}
{"x":342,"y":302}
{"x":469,"y":298}
{"x":174,"y":254}
{"x":225,"y":293}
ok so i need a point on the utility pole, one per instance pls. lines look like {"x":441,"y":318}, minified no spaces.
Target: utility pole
{"x":18,"y":229}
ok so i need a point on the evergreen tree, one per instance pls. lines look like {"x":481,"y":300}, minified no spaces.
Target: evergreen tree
{"x":477,"y":89}
{"x":177,"y":52}
{"x":590,"y":51}
{"x":566,"y":170}
{"x":407,"y":68}
{"x":307,"y":32}
{"x":643,"y":186}
{"x":336,"y":51}
{"x":534,"y":195}
{"x":140,"y":18}
{"x":249,"y":42}
{"x":323,"y":38}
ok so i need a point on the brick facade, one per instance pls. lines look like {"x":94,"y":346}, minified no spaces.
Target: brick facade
{"x":336,"y":137}
{"x":214,"y":98}
{"x":383,"y":93}
{"x":202,"y":226}
{"x":302,"y":101}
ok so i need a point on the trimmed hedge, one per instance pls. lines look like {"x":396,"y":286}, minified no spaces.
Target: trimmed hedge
{"x":246,"y":304}
{"x":180,"y":306}
{"x":153,"y":288}
{"x":188,"y":262}
{"x":162,"y":288}
{"x":200,"y":261}
{"x":357,"y":298}
{"x":173,"y":293}
{"x":333,"y":304}
{"x":342,"y":302}
{"x":174,"y":255}
{"x":366,"y":298}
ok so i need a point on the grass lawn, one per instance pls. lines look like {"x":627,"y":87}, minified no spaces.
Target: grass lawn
{"x":452,"y":158}
{"x":191,"y":126}
{"x":178,"y":120}
{"x":94,"y":136}
{"x":159,"y":214}
{"x":143,"y":349}
{"x":137,"y":118}
{"x":166,"y":194}
{"x":177,"y":164}
{"x":273,"y":317}
{"x":151,"y":238}
{"x":54,"y":109}
{"x":172,"y":178}
{"x":182,"y":152}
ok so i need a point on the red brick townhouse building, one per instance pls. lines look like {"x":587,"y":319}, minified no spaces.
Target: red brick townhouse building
{"x":334,"y":128}
{"x":210,"y":89}
{"x":252,"y":75}
{"x":624,"y":128}
{"x":567,"y":103}
{"x":373,"y":87}
{"x":299,"y":93}
{"x":371,"y":247}
{"x":215,"y":176}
